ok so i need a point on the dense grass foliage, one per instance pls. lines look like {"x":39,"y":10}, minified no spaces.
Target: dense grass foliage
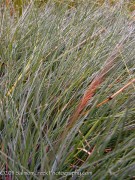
{"x":48,"y":59}
{"x":17,"y":6}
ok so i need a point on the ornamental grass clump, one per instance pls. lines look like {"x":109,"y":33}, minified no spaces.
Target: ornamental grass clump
{"x":67,"y":78}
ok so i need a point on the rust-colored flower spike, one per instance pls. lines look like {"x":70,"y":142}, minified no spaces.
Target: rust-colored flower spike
{"x":99,"y":78}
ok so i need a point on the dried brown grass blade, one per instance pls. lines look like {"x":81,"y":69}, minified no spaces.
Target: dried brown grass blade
{"x":116,"y":93}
